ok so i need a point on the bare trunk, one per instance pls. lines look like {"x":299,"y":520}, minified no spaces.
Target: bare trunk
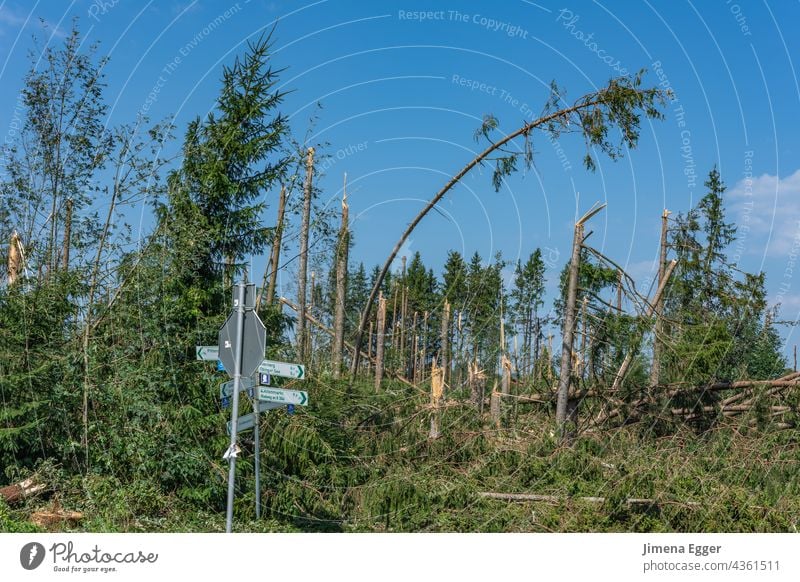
{"x":369,"y":346}
{"x":494,"y":406}
{"x":309,"y":351}
{"x":275,"y":255}
{"x":379,"y":341}
{"x":445,"y":337}
{"x":301,"y":287}
{"x":655,"y":369}
{"x":342,"y":250}
{"x":14,"y":259}
{"x":567,"y":332}
{"x":412,"y":360}
{"x":437,"y":393}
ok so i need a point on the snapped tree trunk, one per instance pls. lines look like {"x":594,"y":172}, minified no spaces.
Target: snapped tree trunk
{"x":437,"y":393}
{"x":341,"y":287}
{"x":445,"y":339}
{"x":379,"y":341}
{"x":301,"y":287}
{"x":655,"y":368}
{"x":14,"y":258}
{"x":563,"y":408}
{"x":568,"y":331}
{"x":275,"y":255}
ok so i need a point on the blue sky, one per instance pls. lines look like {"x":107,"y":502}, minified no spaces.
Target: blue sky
{"x":403,"y":86}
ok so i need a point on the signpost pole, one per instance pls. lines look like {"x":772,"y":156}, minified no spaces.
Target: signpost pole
{"x":237,"y":378}
{"x":257,"y":437}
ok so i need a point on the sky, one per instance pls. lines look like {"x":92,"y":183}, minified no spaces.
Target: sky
{"x":394,"y":91}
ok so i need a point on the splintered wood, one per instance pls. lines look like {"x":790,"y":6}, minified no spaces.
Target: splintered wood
{"x":437,"y":392}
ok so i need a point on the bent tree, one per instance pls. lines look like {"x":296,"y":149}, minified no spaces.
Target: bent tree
{"x":618,"y":106}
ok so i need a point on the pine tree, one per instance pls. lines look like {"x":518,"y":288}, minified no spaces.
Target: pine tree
{"x":231,"y":159}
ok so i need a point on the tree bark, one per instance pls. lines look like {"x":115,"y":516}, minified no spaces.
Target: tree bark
{"x":445,"y":337}
{"x":655,"y":368}
{"x":342,"y":250}
{"x":568,"y":331}
{"x":379,"y":341}
{"x":301,"y":287}
{"x":437,"y":393}
{"x":14,"y":258}
{"x":275,"y":255}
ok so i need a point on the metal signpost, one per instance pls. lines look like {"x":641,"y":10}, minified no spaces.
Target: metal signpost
{"x":242,"y":342}
{"x":240,"y":353}
{"x":283,"y":369}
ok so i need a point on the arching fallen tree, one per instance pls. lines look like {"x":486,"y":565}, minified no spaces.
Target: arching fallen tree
{"x":617,"y":106}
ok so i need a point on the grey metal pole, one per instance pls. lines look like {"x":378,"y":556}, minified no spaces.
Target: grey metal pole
{"x":257,"y":437}
{"x":237,"y":381}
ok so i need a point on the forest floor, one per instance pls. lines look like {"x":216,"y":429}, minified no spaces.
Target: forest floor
{"x":363,"y":462}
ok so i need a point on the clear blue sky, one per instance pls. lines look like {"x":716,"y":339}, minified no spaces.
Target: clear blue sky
{"x":401,"y":97}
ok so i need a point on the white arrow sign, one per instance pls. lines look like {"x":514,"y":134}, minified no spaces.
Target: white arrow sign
{"x":283,"y":369}
{"x":208,"y":353}
{"x":281,"y":396}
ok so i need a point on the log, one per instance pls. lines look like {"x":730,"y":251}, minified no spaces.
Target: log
{"x":19,"y":491}
{"x":557,"y":499}
{"x":56,"y":518}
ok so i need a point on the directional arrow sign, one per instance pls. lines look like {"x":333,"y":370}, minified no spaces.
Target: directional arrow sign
{"x":283,"y":369}
{"x":226,"y":388}
{"x":210,"y":353}
{"x":281,"y":396}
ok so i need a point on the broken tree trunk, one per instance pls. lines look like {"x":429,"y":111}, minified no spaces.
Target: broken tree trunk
{"x":14,"y":258}
{"x":380,"y":340}
{"x":655,"y":368}
{"x":445,"y":337}
{"x":568,"y":331}
{"x":476,"y":380}
{"x":437,"y":392}
{"x":341,"y":286}
{"x":275,"y":255}
{"x":505,"y":364}
{"x":301,"y":288}
{"x":494,"y":406}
